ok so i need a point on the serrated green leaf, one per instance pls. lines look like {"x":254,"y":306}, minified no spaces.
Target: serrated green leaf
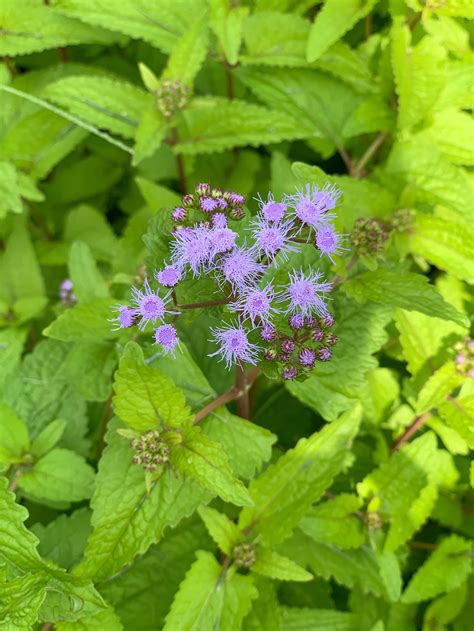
{"x":402,"y":289}
{"x":227,"y":23}
{"x":204,"y":460}
{"x":88,"y":368}
{"x":9,"y":189}
{"x":48,"y":437}
{"x":334,"y":19}
{"x":89,"y":321}
{"x":272,"y":564}
{"x":188,"y":55}
{"x":458,"y":413}
{"x":21,"y":600}
{"x":149,"y":78}
{"x":106,"y":619}
{"x":285,"y":491}
{"x":446,"y":569}
{"x":223,"y":531}
{"x":151,"y":132}
{"x":296,"y":619}
{"x":14,"y":439}
{"x":239,"y":592}
{"x":59,"y":476}
{"x":352,"y":67}
{"x":145,"y":398}
{"x":86,"y":279}
{"x":457,"y":8}
{"x":85,"y":223}
{"x":335,"y":522}
{"x":445,"y":609}
{"x":438,"y":387}
{"x":214,"y":124}
{"x":11,"y":348}
{"x":450,"y":131}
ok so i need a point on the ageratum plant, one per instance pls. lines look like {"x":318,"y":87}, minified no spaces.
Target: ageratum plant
{"x":236,"y":363}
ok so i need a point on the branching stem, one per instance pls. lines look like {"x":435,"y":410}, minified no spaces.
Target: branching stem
{"x":411,"y":429}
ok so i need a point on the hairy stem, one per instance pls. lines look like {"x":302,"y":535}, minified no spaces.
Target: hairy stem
{"x":376,"y":144}
{"x":411,"y":429}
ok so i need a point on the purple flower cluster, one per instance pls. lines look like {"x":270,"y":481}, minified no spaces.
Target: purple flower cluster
{"x":286,"y":322}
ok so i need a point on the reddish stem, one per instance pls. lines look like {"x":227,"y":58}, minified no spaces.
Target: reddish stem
{"x":411,"y":429}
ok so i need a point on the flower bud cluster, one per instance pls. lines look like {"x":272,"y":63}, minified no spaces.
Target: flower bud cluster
{"x":368,"y":236}
{"x":217,"y":206}
{"x":150,"y":450}
{"x":465,"y":357}
{"x":171,"y":96}
{"x":244,"y":555}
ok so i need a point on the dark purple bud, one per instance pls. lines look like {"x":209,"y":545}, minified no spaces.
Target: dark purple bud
{"x":328,"y":320}
{"x":268,"y":333}
{"x":284,"y":358}
{"x":289,"y":373}
{"x":331,"y":339}
{"x":311,"y":323}
{"x":151,"y":468}
{"x":237,"y":213}
{"x":270,"y":354}
{"x":296,"y":321}
{"x":203,"y":189}
{"x":236,"y":200}
{"x":135,"y":460}
{"x":179,"y":214}
{"x":307,"y":357}
{"x":288,"y":346}
{"x":188,"y":200}
{"x":325,"y":354}
{"x":318,"y":335}
{"x":145,"y":458}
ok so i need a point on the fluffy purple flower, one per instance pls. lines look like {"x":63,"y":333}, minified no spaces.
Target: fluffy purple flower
{"x":179,"y":214}
{"x":169,"y":276}
{"x":222,"y":240}
{"x":235,"y":347}
{"x":167,"y":337}
{"x":296,"y":321}
{"x":219,"y":220}
{"x":256,"y":304}
{"x":304,"y":294}
{"x":208,"y":204}
{"x":328,"y":241}
{"x":289,"y":372}
{"x":193,"y":247}
{"x":272,"y":239}
{"x":307,"y":357}
{"x":312,"y":206}
{"x":272,"y":210}
{"x":325,"y":354}
{"x":239,"y":267}
{"x":148,"y":304}
{"x":222,"y":203}
{"x":268,"y":333}
{"x":125,"y":318}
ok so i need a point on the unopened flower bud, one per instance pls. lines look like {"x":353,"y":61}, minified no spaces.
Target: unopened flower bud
{"x":270,"y":354}
{"x":289,"y":373}
{"x":325,"y":354}
{"x":288,"y":346}
{"x":179,"y":214}
{"x":237,"y":213}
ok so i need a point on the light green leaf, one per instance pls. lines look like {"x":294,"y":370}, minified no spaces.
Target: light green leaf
{"x":48,"y":437}
{"x":335,"y":522}
{"x":334,"y":19}
{"x":85,"y":223}
{"x":88,"y":321}
{"x":149,"y":78}
{"x":457,"y":8}
{"x":59,"y":476}
{"x":239,"y":592}
{"x":227,"y":22}
{"x":450,"y":131}
{"x":215,"y":124}
{"x":223,"y":531}
{"x":351,"y":66}
{"x":11,"y":348}
{"x":438,"y":387}
{"x":402,"y":289}
{"x":285,"y":491}
{"x":151,"y":132}
{"x":445,"y":609}
{"x":296,"y":619}
{"x":14,"y":440}
{"x":204,"y":460}
{"x":102,"y":621}
{"x":21,"y":600}
{"x":446,"y":241}
{"x":445,"y":570}
{"x":448,"y":32}
{"x":272,"y":564}
{"x":86,"y":279}
{"x":458,"y":413}
{"x":265,"y":611}
{"x":10,"y":197}
{"x":88,"y":369}
{"x":146,"y":398}
{"x":188,"y":55}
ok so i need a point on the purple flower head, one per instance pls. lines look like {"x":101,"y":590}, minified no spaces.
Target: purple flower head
{"x":222,"y":240}
{"x":179,"y":214}
{"x":219,"y":220}
{"x":256,"y":304}
{"x":272,"y":239}
{"x":235,"y":347}
{"x":208,"y":204}
{"x":289,"y":373}
{"x":268,"y":333}
{"x":327,"y":197}
{"x":239,"y":267}
{"x":318,"y":335}
{"x":288,"y":346}
{"x":169,"y":276}
{"x":148,"y":304}
{"x":296,"y":321}
{"x":307,"y":357}
{"x":203,"y":189}
{"x":125,"y":318}
{"x":66,"y":286}
{"x":328,"y":320}
{"x":271,"y":210}
{"x":192,"y":247}
{"x":235,"y":199}
{"x":328,"y":241}
{"x":304,"y":293}
{"x":222,"y":203}
{"x":331,"y":339}
{"x":167,"y":337}
{"x":325,"y":354}
{"x":237,"y":213}
{"x":312,"y":206}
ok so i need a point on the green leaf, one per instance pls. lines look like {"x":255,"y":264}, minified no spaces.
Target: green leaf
{"x":402,"y":289}
{"x":335,"y":522}
{"x":420,"y":74}
{"x":48,"y":437}
{"x":295,"y":619}
{"x":272,"y":564}
{"x":215,"y":124}
{"x":445,"y":570}
{"x":9,"y":189}
{"x":145,"y":398}
{"x":199,"y":600}
{"x":450,"y":131}
{"x":21,"y":600}
{"x":239,"y":592}
{"x":351,"y":66}
{"x":265,"y":612}
{"x":150,"y":134}
{"x":457,"y":8}
{"x":126,"y":519}
{"x":105,"y":619}
{"x":204,"y":460}
{"x":285,"y":491}
{"x":224,"y":532}
{"x":445,"y":609}
{"x":227,"y":23}
{"x":438,"y":387}
{"x":89,"y":321}
{"x":11,"y":348}
{"x":107,"y":103}
{"x":188,"y":55}
{"x":14,"y":439}
{"x":458,"y":413}
{"x":86,"y":278}
{"x":85,"y":223}
{"x":59,"y":476}
{"x":334,"y":19}
{"x":445,"y":241}
{"x":88,"y":369}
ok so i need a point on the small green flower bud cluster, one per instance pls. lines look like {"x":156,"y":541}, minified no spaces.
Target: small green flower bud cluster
{"x":402,"y":220}
{"x":244,"y":555}
{"x":368,"y":236}
{"x":171,"y":96}
{"x":150,"y":450}
{"x":374,"y":521}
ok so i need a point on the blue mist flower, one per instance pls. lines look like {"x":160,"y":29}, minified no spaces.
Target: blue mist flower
{"x":149,"y":306}
{"x":166,"y":336}
{"x":272,"y":238}
{"x":305,"y":293}
{"x":234,"y":345}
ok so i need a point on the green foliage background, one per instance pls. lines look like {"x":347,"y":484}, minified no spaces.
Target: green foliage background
{"x":349,"y":530}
